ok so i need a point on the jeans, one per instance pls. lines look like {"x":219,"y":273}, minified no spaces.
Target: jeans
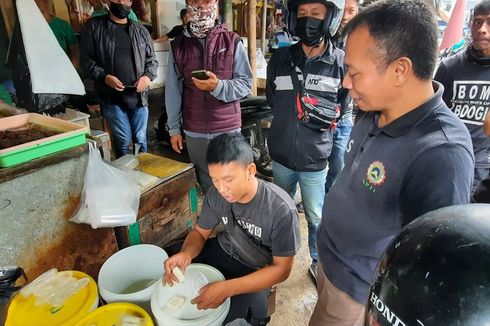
{"x":336,"y":158}
{"x":126,"y":126}
{"x":312,"y":185}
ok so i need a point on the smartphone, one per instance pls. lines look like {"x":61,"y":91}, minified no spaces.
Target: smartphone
{"x":200,"y":74}
{"x":129,"y":87}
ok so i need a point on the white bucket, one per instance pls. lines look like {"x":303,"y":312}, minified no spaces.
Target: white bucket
{"x":131,"y":274}
{"x":190,"y":316}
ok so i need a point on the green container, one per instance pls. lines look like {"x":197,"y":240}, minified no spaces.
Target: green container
{"x":71,"y":135}
{"x":39,"y":150}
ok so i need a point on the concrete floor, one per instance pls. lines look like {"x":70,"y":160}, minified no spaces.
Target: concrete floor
{"x":296,"y":297}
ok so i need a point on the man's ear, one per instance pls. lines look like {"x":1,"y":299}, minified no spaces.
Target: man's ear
{"x":251,"y":171}
{"x":402,"y":68}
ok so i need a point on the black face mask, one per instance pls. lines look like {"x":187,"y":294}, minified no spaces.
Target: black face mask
{"x":310,"y":30}
{"x":119,"y":10}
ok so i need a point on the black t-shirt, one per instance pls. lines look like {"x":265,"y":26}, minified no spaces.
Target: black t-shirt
{"x":176,"y":31}
{"x":467,"y":92}
{"x":124,"y":68}
{"x":270,"y":217}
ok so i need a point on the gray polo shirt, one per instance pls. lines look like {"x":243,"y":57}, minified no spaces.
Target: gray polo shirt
{"x":420,"y":162}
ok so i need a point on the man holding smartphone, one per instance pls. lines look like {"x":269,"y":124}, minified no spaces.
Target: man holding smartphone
{"x":118,"y":55}
{"x":208,"y":105}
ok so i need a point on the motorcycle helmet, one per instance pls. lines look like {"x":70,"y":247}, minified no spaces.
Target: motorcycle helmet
{"x":436,"y":271}
{"x":332,"y":20}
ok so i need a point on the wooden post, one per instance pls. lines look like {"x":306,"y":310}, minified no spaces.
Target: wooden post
{"x":228,"y":14}
{"x":155,"y":18}
{"x":264,"y":26}
{"x":9,"y":15}
{"x":252,"y":42}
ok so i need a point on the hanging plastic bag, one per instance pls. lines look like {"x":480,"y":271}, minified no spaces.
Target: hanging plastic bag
{"x":109,"y":197}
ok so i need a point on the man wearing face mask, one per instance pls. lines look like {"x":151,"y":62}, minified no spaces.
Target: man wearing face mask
{"x":304,"y":90}
{"x":118,"y":55}
{"x":208,"y":106}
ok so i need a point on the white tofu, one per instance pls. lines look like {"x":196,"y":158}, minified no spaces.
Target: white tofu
{"x":175,"y":302}
{"x":178,"y":273}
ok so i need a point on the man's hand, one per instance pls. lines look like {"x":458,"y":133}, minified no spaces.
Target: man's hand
{"x":212,"y":295}
{"x":207,"y":85}
{"x":142,"y":83}
{"x":114,"y":82}
{"x":180,"y":260}
{"x":177,"y":143}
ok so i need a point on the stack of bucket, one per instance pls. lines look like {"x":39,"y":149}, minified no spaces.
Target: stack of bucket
{"x":130,"y":282}
{"x":188,"y":314}
{"x":134,"y":275}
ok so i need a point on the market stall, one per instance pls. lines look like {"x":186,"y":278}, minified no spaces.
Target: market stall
{"x":38,"y":197}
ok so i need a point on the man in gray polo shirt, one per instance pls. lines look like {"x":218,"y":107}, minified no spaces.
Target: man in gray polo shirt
{"x":408,"y":153}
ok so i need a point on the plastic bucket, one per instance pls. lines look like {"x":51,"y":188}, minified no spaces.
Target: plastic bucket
{"x":24,"y":312}
{"x":130,"y":275}
{"x":113,"y":314}
{"x":188,"y":315}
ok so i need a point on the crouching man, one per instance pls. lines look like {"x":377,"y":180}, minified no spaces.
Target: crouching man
{"x":260,"y":233}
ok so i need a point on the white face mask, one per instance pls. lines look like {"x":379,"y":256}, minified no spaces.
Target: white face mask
{"x":201,"y":21}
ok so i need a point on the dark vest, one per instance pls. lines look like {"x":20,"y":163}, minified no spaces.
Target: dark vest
{"x":202,"y":112}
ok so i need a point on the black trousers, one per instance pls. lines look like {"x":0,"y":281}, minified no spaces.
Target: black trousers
{"x":212,"y":254}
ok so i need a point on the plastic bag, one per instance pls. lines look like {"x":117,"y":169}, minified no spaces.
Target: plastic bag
{"x":109,"y":197}
{"x":54,"y":288}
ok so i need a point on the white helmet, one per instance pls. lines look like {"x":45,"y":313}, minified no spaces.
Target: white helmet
{"x":332,"y":20}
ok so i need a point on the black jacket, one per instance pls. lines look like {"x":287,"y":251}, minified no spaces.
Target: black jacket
{"x":291,"y":143}
{"x":97,"y":53}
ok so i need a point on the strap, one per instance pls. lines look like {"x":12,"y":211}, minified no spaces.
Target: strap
{"x":294,"y":75}
{"x":296,"y":86}
{"x":249,"y":249}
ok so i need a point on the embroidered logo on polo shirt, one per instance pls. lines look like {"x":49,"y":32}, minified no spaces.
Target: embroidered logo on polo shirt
{"x":376,"y":173}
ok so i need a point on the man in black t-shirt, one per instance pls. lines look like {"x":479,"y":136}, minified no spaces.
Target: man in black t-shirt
{"x":466,"y":80}
{"x":118,"y":55}
{"x":259,"y":220}
{"x":177,"y":30}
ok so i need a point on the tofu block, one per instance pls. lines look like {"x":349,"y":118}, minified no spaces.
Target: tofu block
{"x":178,"y":273}
{"x":175,"y":302}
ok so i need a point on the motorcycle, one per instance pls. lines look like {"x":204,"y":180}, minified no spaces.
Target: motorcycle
{"x":256,"y":120}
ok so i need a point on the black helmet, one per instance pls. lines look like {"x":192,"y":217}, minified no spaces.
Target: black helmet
{"x":332,"y":21}
{"x":436,"y":271}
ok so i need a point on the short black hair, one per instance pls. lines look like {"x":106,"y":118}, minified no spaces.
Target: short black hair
{"x":229,"y":147}
{"x":183,"y":12}
{"x":482,"y":8}
{"x":401,"y":28}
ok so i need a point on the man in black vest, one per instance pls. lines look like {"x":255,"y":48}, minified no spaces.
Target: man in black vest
{"x":207,"y":105}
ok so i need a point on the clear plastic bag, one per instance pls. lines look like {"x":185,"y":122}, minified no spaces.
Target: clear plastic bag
{"x":109,"y":197}
{"x":54,"y":288}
